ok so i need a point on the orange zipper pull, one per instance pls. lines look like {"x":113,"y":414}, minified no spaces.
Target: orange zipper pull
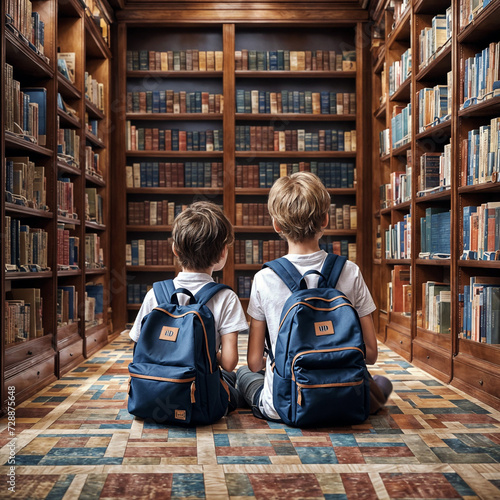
{"x":193,"y":388}
{"x":299,"y":396}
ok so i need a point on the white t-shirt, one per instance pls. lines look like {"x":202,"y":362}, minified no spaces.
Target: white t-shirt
{"x":269,"y":294}
{"x":225,"y":306}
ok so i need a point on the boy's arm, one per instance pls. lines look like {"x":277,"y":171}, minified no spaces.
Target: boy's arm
{"x":256,"y":342}
{"x":227,"y":357}
{"x":370,"y":339}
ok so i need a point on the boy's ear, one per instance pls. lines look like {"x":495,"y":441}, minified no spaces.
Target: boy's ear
{"x":276,"y":226}
{"x":174,"y":250}
{"x":326,"y":221}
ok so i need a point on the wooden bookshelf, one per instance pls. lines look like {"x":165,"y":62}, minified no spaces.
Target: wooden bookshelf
{"x":228,"y":36}
{"x":31,"y":364}
{"x":469,"y":365}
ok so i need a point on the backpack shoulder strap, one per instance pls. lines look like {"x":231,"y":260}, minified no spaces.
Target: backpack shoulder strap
{"x":163,"y":291}
{"x":331,"y":270}
{"x":208,"y":291}
{"x":286,"y":271}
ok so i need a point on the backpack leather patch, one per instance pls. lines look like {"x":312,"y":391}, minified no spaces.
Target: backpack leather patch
{"x":324,"y":328}
{"x":180,"y":414}
{"x":169,"y":333}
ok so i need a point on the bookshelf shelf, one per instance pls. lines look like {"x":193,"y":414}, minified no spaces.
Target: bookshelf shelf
{"x":95,"y":45}
{"x":149,"y":229}
{"x":73,"y":272}
{"x":386,"y":157}
{"x":175,"y":154}
{"x":393,"y":262}
{"x":483,"y":264}
{"x":402,"y":31}
{"x":430,"y":6}
{"x":441,"y":195}
{"x":174,"y":74}
{"x":17,"y":275}
{"x":67,"y":121}
{"x":93,"y":111}
{"x":253,"y":229}
{"x":97,"y":181}
{"x":27,"y":61}
{"x":68,"y":220}
{"x":15,"y":143}
{"x":379,"y":64}
{"x":488,"y":187}
{"x":133,"y":307}
{"x":66,"y":88}
{"x":68,"y":169}
{"x":95,"y":141}
{"x":295,"y":154}
{"x":403,"y":91}
{"x":95,"y":226}
{"x":175,"y":116}
{"x":438,"y":131}
{"x":96,"y":272}
{"x":381,"y":111}
{"x":295,"y":117}
{"x":483,"y":26}
{"x":295,"y":74}
{"x":488,"y":107}
{"x":151,"y":269}
{"x":168,"y":190}
{"x":21,"y":211}
{"x":247,"y":267}
{"x":438,"y":67}
{"x":433,"y":262}
{"x":401,"y":150}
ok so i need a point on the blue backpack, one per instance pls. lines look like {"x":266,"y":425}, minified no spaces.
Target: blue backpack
{"x":174,"y":377}
{"x":320,"y":375}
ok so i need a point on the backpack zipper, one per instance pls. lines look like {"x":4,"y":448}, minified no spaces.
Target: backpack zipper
{"x":318,"y":386}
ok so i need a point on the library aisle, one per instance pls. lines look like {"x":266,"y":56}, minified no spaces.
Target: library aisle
{"x":75,"y":439}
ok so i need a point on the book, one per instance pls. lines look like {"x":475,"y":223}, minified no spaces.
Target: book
{"x":67,"y":68}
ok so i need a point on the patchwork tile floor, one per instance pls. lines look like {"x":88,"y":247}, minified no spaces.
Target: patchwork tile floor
{"x":76,"y":440}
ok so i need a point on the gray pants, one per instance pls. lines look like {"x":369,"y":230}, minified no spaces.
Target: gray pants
{"x":250,"y":385}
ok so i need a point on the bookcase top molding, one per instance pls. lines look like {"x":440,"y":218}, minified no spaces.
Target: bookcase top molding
{"x":305,"y":13}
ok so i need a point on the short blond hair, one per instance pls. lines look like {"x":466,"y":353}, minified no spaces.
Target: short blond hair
{"x":299,"y":204}
{"x":200,"y":233}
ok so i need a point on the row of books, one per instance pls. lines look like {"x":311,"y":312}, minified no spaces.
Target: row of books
{"x":68,"y":146}
{"x":295,"y":101}
{"x":398,"y":190}
{"x":340,"y":247}
{"x":94,"y":211}
{"x":92,"y":162}
{"x":399,"y":71}
{"x":66,"y":65}
{"x":258,"y":251}
{"x":155,"y":139}
{"x":175,"y":174}
{"x":481,"y":77}
{"x":252,"y":214}
{"x":435,"y":233}
{"x":400,"y":10}
{"x":333,"y":174}
{"x":23,"y":315}
{"x":244,"y":286}
{"x":136,"y":292}
{"x":68,"y":248}
{"x":25,"y":183}
{"x":94,"y":253}
{"x":436,"y":306}
{"x":434,"y":105}
{"x":26,"y":248}
{"x":266,"y":138}
{"x":481,"y":310}
{"x":399,"y":290}
{"x":481,"y":231}
{"x":21,"y":19}
{"x":432,"y":38}
{"x":67,"y":305}
{"x":295,"y":60}
{"x":94,"y":304}
{"x":97,"y":14}
{"x":470,"y":9}
{"x":92,"y":125}
{"x":481,"y":154}
{"x":144,"y":252}
{"x":384,"y":138}
{"x":398,"y":239}
{"x":175,"y":60}
{"x":152,"y":213}
{"x":94,"y":91}
{"x":170,"y":101}
{"x":25,"y":109}
{"x":401,"y":125}
{"x":65,"y":198}
{"x":435,"y":172}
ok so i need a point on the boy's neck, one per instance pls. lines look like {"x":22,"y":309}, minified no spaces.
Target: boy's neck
{"x":304,"y":247}
{"x":198,"y":271}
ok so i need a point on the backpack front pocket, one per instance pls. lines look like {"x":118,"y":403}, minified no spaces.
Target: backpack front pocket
{"x":164,"y":394}
{"x":329,"y":386}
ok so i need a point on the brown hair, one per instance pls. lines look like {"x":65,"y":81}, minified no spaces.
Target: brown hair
{"x":200,"y":233}
{"x":298,"y":204}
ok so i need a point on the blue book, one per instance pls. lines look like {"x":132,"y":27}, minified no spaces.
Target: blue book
{"x":39,"y":95}
{"x":135,"y":252}
{"x":273,"y":60}
{"x":467,"y":212}
{"x":97,"y":292}
{"x":493,"y":315}
{"x":155,"y":174}
{"x":281,"y":59}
